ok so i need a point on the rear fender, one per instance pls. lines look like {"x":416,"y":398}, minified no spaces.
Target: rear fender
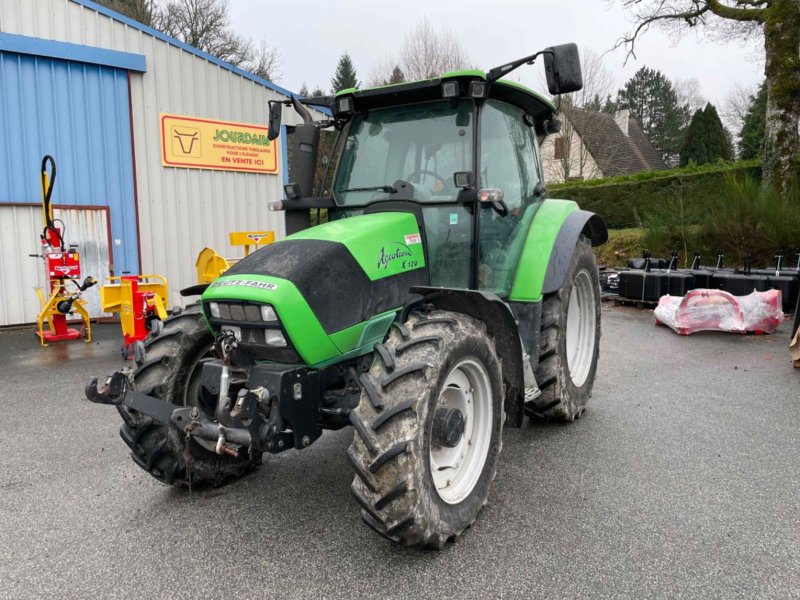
{"x":549,"y":245}
{"x":577,"y":223}
{"x":500,"y":324}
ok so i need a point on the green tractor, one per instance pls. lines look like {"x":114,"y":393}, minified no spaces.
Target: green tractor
{"x":443,"y":297}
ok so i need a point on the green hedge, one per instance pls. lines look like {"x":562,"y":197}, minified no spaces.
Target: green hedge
{"x":624,"y":201}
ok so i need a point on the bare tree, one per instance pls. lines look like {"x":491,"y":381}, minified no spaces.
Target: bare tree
{"x":736,"y":105}
{"x":381,"y":72}
{"x":265,"y":62}
{"x":204,"y":24}
{"x":779,"y":23}
{"x":139,"y":10}
{"x":689,"y":94}
{"x":428,"y":53}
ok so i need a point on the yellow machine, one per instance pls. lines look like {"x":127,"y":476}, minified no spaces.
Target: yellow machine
{"x":211,"y":265}
{"x":63,"y":268}
{"x":140,"y":301}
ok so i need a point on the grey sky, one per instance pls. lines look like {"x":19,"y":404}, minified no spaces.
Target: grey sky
{"x":311,"y":35}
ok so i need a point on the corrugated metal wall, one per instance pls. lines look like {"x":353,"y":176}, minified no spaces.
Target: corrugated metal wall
{"x":79,"y":114}
{"x":21,"y":274}
{"x":180,"y":210}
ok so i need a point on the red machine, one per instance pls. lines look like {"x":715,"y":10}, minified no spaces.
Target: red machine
{"x":62,"y":267}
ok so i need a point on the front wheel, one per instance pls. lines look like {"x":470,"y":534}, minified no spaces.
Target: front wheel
{"x":570,"y":341}
{"x":171,"y":372}
{"x":428,"y":429}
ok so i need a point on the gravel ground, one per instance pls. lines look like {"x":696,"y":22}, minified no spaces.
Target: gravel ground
{"x":682,"y":480}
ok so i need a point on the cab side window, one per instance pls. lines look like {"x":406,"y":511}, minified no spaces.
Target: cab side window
{"x":509,"y":163}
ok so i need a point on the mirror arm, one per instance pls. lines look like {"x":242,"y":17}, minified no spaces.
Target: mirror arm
{"x":496,"y":73}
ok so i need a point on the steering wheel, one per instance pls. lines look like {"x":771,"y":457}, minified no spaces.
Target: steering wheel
{"x":440,"y":181}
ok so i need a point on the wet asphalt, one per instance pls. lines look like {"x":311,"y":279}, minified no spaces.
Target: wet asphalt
{"x":682,"y":480}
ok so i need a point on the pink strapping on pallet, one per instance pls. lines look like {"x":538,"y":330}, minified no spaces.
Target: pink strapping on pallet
{"x":716,"y":310}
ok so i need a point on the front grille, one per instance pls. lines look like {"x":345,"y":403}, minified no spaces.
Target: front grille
{"x":246,"y":320}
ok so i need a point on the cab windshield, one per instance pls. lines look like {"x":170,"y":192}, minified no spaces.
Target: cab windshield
{"x":423,"y":144}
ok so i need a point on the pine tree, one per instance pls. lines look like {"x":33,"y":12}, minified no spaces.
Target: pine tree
{"x":719,"y":146}
{"x":654,"y":104}
{"x":695,"y":146}
{"x":397,"y":76}
{"x":317,"y":91}
{"x":345,"y":75}
{"x":303,"y":90}
{"x":609,"y":106}
{"x":706,"y":140}
{"x":752,"y":135}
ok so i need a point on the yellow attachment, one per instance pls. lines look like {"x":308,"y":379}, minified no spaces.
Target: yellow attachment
{"x":117,"y":297}
{"x":211,"y":265}
{"x":251,"y":238}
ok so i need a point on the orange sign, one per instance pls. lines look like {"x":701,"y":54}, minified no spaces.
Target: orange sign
{"x":221,"y":145}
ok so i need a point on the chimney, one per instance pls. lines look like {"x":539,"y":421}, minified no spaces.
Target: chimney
{"x":622,"y":116}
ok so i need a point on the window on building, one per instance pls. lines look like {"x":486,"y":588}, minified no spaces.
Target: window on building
{"x":559,"y":152}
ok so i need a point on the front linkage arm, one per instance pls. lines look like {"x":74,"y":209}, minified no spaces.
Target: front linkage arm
{"x":277,"y":410}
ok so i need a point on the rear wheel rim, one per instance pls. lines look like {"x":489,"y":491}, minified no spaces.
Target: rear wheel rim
{"x":456,"y":471}
{"x":581,"y":326}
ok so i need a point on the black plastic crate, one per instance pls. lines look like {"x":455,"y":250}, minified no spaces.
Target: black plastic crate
{"x":641,"y":285}
{"x":788,"y":285}
{"x":740,"y":284}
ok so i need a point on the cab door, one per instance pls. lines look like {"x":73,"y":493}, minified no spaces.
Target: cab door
{"x":507,"y":161}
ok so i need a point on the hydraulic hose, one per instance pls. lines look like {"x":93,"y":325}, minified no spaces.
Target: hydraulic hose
{"x":47,"y":193}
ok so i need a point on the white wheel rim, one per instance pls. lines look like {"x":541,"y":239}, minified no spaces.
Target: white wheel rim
{"x":581,"y":324}
{"x":457,"y":470}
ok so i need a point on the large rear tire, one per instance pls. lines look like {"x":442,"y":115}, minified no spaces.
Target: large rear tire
{"x":569,"y":344}
{"x":171,"y":373}
{"x":428,"y":429}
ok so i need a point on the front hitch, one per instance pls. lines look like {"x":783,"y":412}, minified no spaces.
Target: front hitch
{"x":112,"y":391}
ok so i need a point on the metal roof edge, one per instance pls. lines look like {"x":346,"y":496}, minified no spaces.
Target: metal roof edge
{"x":23,"y":44}
{"x":183,"y":46}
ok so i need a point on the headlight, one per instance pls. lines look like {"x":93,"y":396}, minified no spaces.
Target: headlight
{"x":213,"y":308}
{"x":268,"y":314}
{"x":274,"y":337}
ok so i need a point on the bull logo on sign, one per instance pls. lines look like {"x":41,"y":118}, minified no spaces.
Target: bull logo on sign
{"x":186,"y":141}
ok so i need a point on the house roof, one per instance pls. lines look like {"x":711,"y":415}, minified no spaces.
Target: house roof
{"x":613,"y":151}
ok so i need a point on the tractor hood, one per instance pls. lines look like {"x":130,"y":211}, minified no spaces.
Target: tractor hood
{"x":332,"y":279}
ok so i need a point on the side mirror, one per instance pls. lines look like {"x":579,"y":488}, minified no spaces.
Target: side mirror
{"x":275,"y":112}
{"x":562,"y":65}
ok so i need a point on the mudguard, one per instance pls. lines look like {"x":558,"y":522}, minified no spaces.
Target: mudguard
{"x":549,"y":245}
{"x":577,"y":223}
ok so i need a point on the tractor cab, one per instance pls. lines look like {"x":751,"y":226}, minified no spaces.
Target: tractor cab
{"x":463,"y":148}
{"x":471,"y":164}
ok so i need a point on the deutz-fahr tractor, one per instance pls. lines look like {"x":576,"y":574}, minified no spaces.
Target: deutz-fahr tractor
{"x":443,"y":296}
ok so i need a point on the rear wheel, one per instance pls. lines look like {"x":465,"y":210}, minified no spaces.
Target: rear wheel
{"x":428,"y":429}
{"x":171,"y":372}
{"x":570,"y":341}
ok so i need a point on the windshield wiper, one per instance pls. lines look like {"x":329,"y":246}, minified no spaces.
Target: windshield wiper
{"x":373,"y":188}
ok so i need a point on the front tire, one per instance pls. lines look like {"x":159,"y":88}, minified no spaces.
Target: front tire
{"x":569,"y":344}
{"x":171,"y":372}
{"x":428,"y":429}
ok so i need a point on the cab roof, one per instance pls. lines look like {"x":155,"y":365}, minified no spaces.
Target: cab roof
{"x":533,"y":103}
